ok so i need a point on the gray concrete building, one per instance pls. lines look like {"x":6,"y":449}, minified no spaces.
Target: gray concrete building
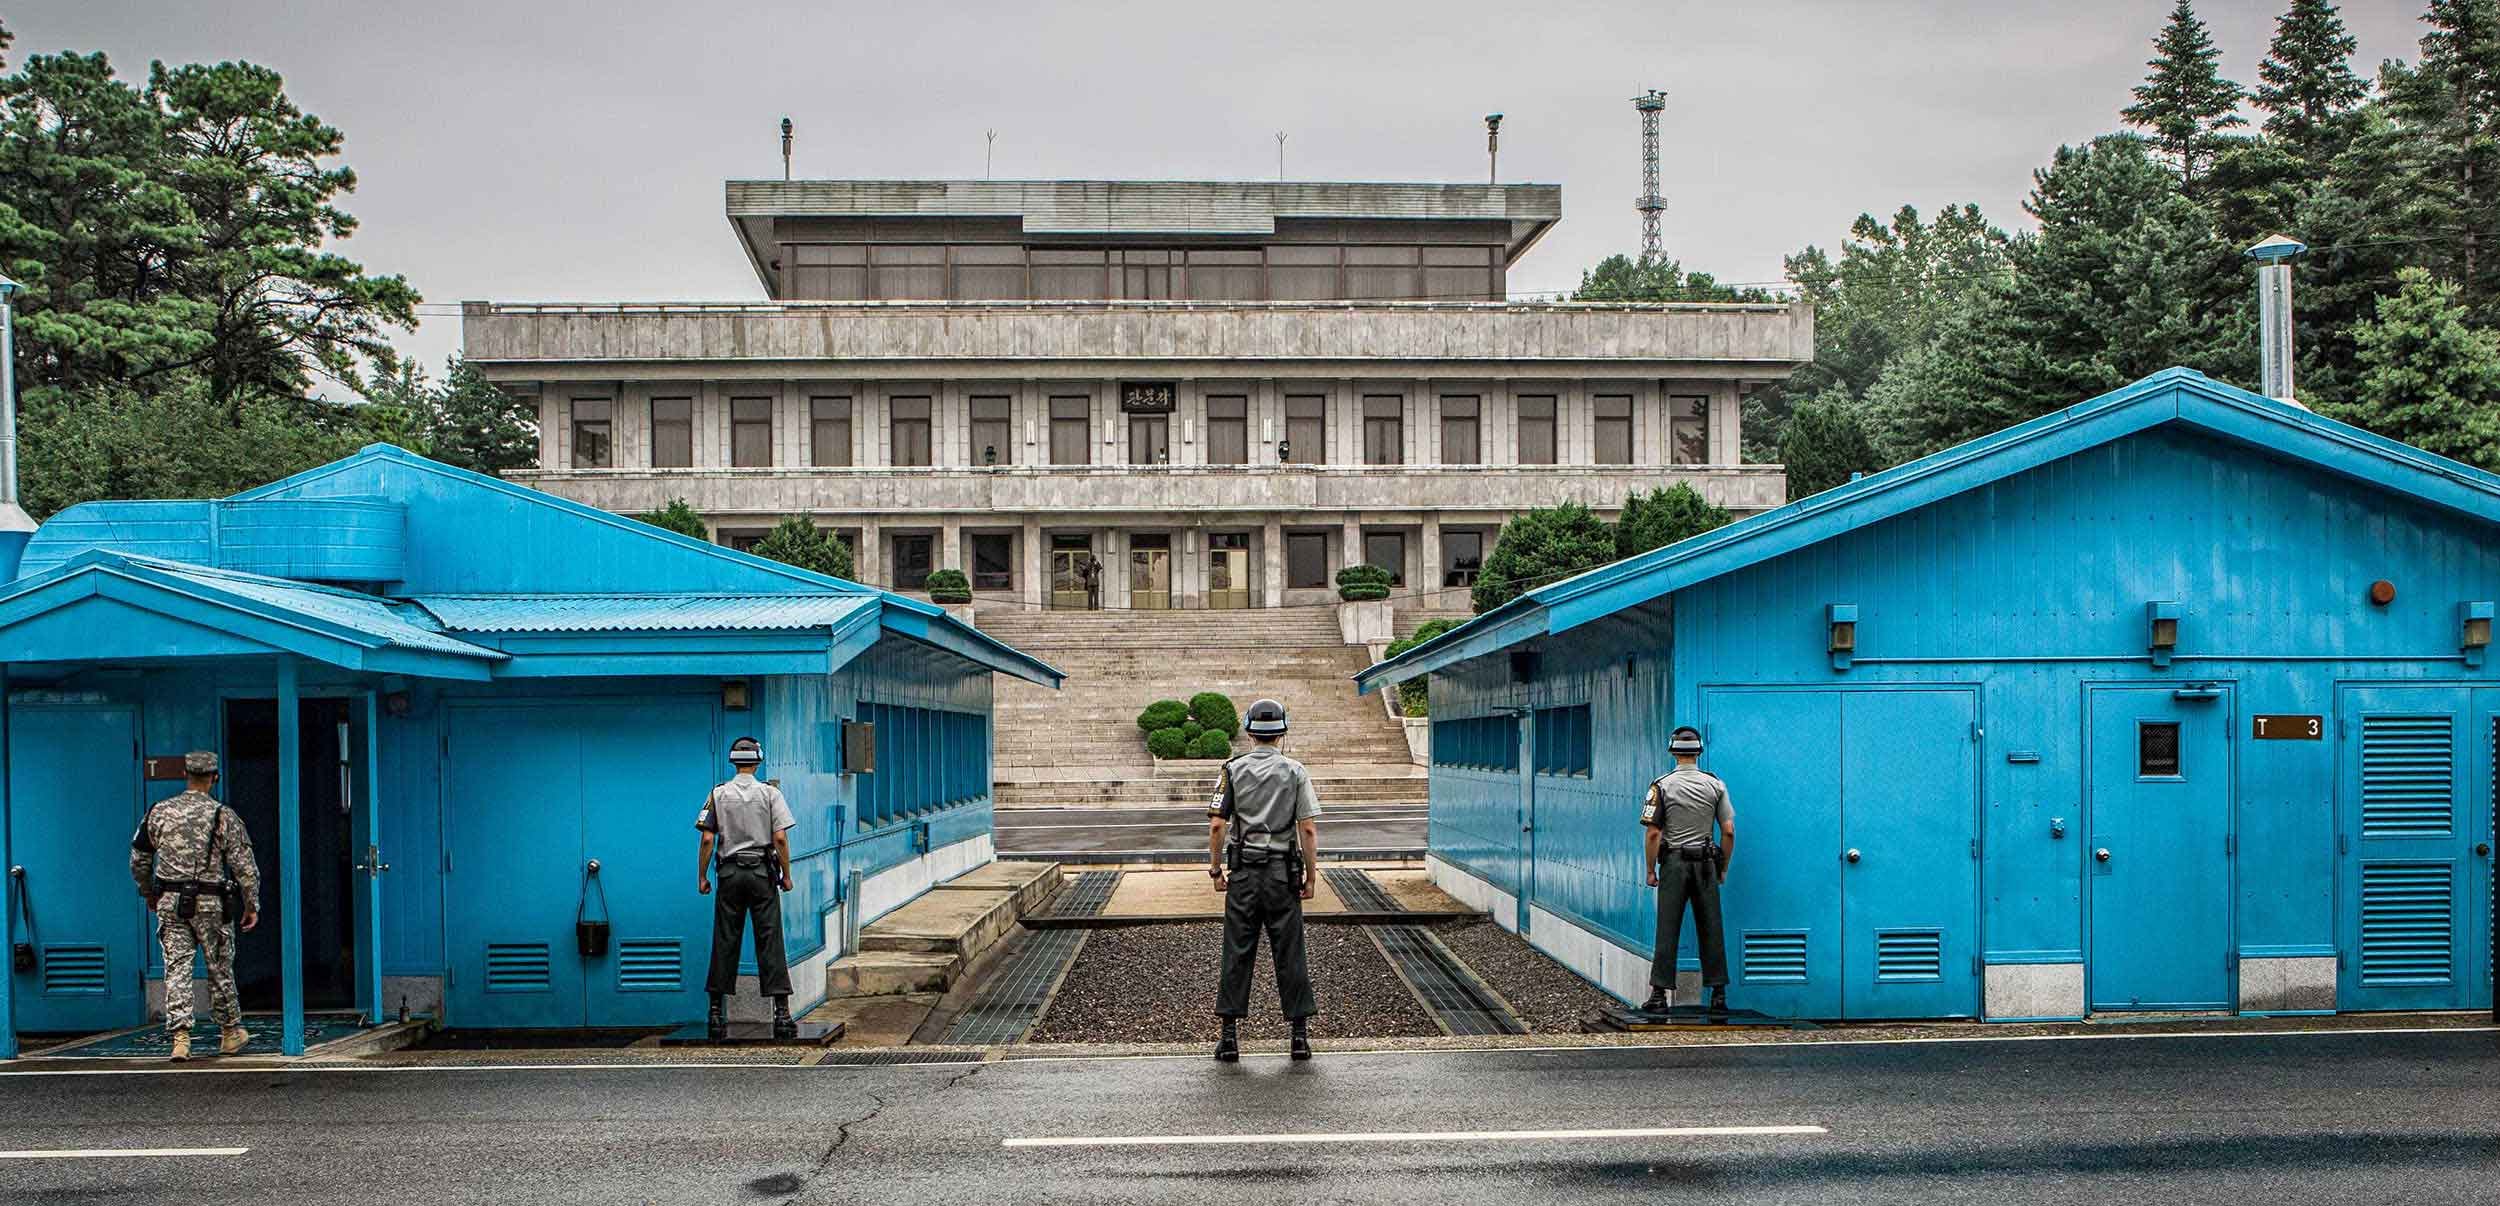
{"x":1140,"y":395}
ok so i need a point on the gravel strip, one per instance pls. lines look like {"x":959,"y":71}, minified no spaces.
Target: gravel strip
{"x":1548,"y":997}
{"x":1154,"y":984}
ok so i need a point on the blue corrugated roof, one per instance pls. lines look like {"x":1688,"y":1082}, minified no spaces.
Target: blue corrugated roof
{"x":377,"y":618}
{"x":2172,"y":395}
{"x":642,"y":613}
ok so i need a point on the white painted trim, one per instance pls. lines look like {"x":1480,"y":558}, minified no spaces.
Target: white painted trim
{"x":1474,"y":891}
{"x":1646,"y":1132}
{"x":904,"y":883}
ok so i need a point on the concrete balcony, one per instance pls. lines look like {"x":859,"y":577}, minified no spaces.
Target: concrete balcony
{"x":1383,"y":492}
{"x":550,"y":341}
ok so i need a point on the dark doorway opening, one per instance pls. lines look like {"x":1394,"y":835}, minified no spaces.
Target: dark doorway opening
{"x":329,"y":735}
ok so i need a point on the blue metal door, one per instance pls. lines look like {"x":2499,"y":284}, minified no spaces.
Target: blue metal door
{"x":1779,"y":753}
{"x":512,"y":818}
{"x":2416,"y":769}
{"x":1524,"y":879}
{"x":640,"y":829}
{"x":73,"y":804}
{"x":1909,"y":858}
{"x":2159,"y":851}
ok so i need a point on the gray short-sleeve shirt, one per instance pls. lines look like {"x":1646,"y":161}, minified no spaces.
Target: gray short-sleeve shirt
{"x":744,"y":814}
{"x":1684,"y":805}
{"x":1264,"y":794}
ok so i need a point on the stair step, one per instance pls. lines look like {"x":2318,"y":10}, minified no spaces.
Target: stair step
{"x":891,"y":973}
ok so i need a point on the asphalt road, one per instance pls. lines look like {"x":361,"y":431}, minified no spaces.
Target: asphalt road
{"x":1181,"y":832}
{"x":2326,"y":1118}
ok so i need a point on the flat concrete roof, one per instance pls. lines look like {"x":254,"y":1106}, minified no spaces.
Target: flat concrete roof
{"x":1140,"y":207}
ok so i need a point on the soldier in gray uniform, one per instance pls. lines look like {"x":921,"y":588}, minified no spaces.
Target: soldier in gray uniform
{"x":746,"y":833}
{"x":1266,"y":867}
{"x":193,"y":863}
{"x":1683,"y":807}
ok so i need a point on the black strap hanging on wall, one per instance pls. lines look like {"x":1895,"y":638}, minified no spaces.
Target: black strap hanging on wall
{"x":591,"y":936}
{"x":21,"y":954}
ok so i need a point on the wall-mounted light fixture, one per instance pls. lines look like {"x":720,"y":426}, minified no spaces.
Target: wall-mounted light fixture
{"x":1841,"y":620}
{"x":2382,"y":592}
{"x":2476,"y":634}
{"x":733,"y":695}
{"x":2162,"y":617}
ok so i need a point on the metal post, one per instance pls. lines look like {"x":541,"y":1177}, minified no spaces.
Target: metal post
{"x":290,"y":860}
{"x":1492,"y":148}
{"x":2274,"y":313}
{"x":8,"y":894}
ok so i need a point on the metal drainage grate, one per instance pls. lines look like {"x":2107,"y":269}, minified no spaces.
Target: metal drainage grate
{"x":1012,"y":1000}
{"x":1361,"y":892}
{"x":867,"y":1058}
{"x":1443,"y":984}
{"x":1087,"y":897}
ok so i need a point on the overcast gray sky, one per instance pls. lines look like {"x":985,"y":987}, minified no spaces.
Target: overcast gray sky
{"x":526,"y":150}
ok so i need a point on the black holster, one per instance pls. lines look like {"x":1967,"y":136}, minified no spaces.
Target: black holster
{"x":1239,"y":854}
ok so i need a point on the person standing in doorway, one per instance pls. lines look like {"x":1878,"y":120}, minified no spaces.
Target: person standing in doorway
{"x":1263,"y":851}
{"x":193,"y":863}
{"x":746,"y":833}
{"x":1682,"y":809}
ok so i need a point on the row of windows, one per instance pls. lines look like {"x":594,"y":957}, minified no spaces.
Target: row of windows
{"x":1564,"y":745}
{"x":993,"y":272}
{"x":1476,"y":743}
{"x":926,"y":759}
{"x":990,"y":437}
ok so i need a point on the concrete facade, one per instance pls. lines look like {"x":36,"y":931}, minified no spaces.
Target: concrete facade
{"x":935,"y":405}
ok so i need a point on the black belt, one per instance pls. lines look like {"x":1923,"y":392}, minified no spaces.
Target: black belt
{"x":747,"y":858}
{"x":1694,"y":854}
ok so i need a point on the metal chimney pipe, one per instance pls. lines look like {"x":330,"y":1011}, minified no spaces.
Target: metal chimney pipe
{"x":2274,"y":314}
{"x":1492,"y":148}
{"x":16,"y":527}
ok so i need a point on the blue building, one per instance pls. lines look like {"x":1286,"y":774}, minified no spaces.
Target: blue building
{"x":2179,"y":699}
{"x":458,"y":716}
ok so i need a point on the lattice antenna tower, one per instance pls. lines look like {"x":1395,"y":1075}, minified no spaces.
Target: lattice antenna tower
{"x":1650,"y":203}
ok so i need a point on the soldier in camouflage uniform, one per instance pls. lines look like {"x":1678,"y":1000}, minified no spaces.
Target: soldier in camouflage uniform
{"x":193,"y":862}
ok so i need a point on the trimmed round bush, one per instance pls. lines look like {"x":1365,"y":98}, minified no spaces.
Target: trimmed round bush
{"x":1362,"y":583}
{"x":1210,"y":744}
{"x":950,"y":586}
{"x":1214,"y":713}
{"x":1167,"y":744}
{"x":1191,"y":728}
{"x":1163,"y":714}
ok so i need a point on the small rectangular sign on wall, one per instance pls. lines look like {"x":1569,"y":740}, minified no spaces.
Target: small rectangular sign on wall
{"x":2289,"y":728}
{"x":164,"y":766}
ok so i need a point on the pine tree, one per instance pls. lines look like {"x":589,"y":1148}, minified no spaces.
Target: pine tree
{"x":1664,"y":516}
{"x":2306,"y":85}
{"x":1539,"y":548}
{"x":1824,"y":444}
{"x":2428,"y":377}
{"x":795,"y":541}
{"x":2447,"y":110}
{"x":678,"y":516}
{"x":2185,"y":103}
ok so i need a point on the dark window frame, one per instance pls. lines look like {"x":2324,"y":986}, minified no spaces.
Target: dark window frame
{"x":908,"y":435}
{"x":1384,"y":429}
{"x":992,"y":579}
{"x":750,"y":421}
{"x":2152,"y":761}
{"x":1613,"y":429}
{"x":1535,"y":415}
{"x":1228,"y":434}
{"x":996,"y":429}
{"x":1470,"y":421}
{"x":596,"y":434}
{"x":676,"y":428}
{"x":1294,"y":578}
{"x":1306,"y":434}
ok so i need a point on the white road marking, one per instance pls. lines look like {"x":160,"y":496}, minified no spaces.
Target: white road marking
{"x":119,"y":1153}
{"x":1642,"y":1132}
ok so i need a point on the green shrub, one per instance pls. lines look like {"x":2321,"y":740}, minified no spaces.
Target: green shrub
{"x":1361,"y":583}
{"x":1214,"y":713}
{"x":1210,"y":744}
{"x":795,"y":541}
{"x":1415,"y":697}
{"x":1191,"y":728}
{"x":1412,"y":697}
{"x":1539,"y":548}
{"x":1167,"y":744}
{"x":679,"y":517}
{"x":1665,"y":516}
{"x":950,"y":586}
{"x":1163,"y":714}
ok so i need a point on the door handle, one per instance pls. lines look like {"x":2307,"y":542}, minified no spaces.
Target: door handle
{"x":2101,"y":855}
{"x":2482,"y":850}
{"x":1852,"y":856}
{"x":372,"y":863}
{"x":592,"y":866}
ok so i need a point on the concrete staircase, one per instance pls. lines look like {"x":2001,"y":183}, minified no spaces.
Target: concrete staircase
{"x":924,"y":946}
{"x":1080,"y":745}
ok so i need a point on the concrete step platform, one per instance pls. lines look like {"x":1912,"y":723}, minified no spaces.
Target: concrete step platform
{"x":892,"y":973}
{"x":924,"y":946}
{"x":1029,"y":885}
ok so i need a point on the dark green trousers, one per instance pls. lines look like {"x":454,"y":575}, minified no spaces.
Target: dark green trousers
{"x":1261,"y":898}
{"x":1696,"y":884}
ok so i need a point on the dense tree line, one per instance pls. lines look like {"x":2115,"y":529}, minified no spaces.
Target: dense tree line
{"x":1934,"y":329}
{"x":184,"y":306}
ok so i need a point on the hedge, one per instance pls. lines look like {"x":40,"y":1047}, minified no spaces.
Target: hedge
{"x":1167,"y":744}
{"x":1362,"y":583}
{"x":1163,"y":714}
{"x":1214,"y":712}
{"x":949,"y":586}
{"x":1210,"y":744}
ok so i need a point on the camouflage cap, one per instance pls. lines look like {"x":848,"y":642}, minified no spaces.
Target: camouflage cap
{"x":200,"y":762}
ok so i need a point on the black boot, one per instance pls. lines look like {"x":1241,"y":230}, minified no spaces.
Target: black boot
{"x":1301,"y":1039}
{"x":784,"y":1027}
{"x":1657,"y":1002}
{"x":717,"y":1025}
{"x":1228,"y":1048}
{"x":1718,"y":1001}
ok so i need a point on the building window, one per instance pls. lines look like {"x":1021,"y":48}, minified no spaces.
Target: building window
{"x":1382,"y":273}
{"x":672,"y":433}
{"x":909,"y":273}
{"x":1563,"y":745}
{"x":993,"y":562}
{"x":1225,"y":275}
{"x":820,"y":271}
{"x":1614,"y":429}
{"x":993,"y":438}
{"x":1458,"y":273}
{"x":2157,"y":750}
{"x":1071,"y":425}
{"x":592,"y":448}
{"x":1306,"y":560}
{"x":1146,"y":275}
{"x":751,"y":432}
{"x":1302,"y":273}
{"x":1069,"y":275}
{"x":742,"y":539}
{"x":829,"y":431}
{"x":1306,"y":430}
{"x":914,"y":557}
{"x":1384,"y":430}
{"x":911,"y":431}
{"x":926,"y":759}
{"x":1485,"y":743}
{"x":989,"y":272}
{"x":1386,"y":550}
{"x":1688,"y":430}
{"x":1228,"y":430}
{"x":1464,"y":553}
{"x":1536,"y":430}
{"x":1461,"y":431}
{"x":1149,"y":440}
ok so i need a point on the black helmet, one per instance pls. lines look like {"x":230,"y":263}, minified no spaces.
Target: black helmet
{"x":1684,"y":740}
{"x":1265,"y":718}
{"x":746,"y":751}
